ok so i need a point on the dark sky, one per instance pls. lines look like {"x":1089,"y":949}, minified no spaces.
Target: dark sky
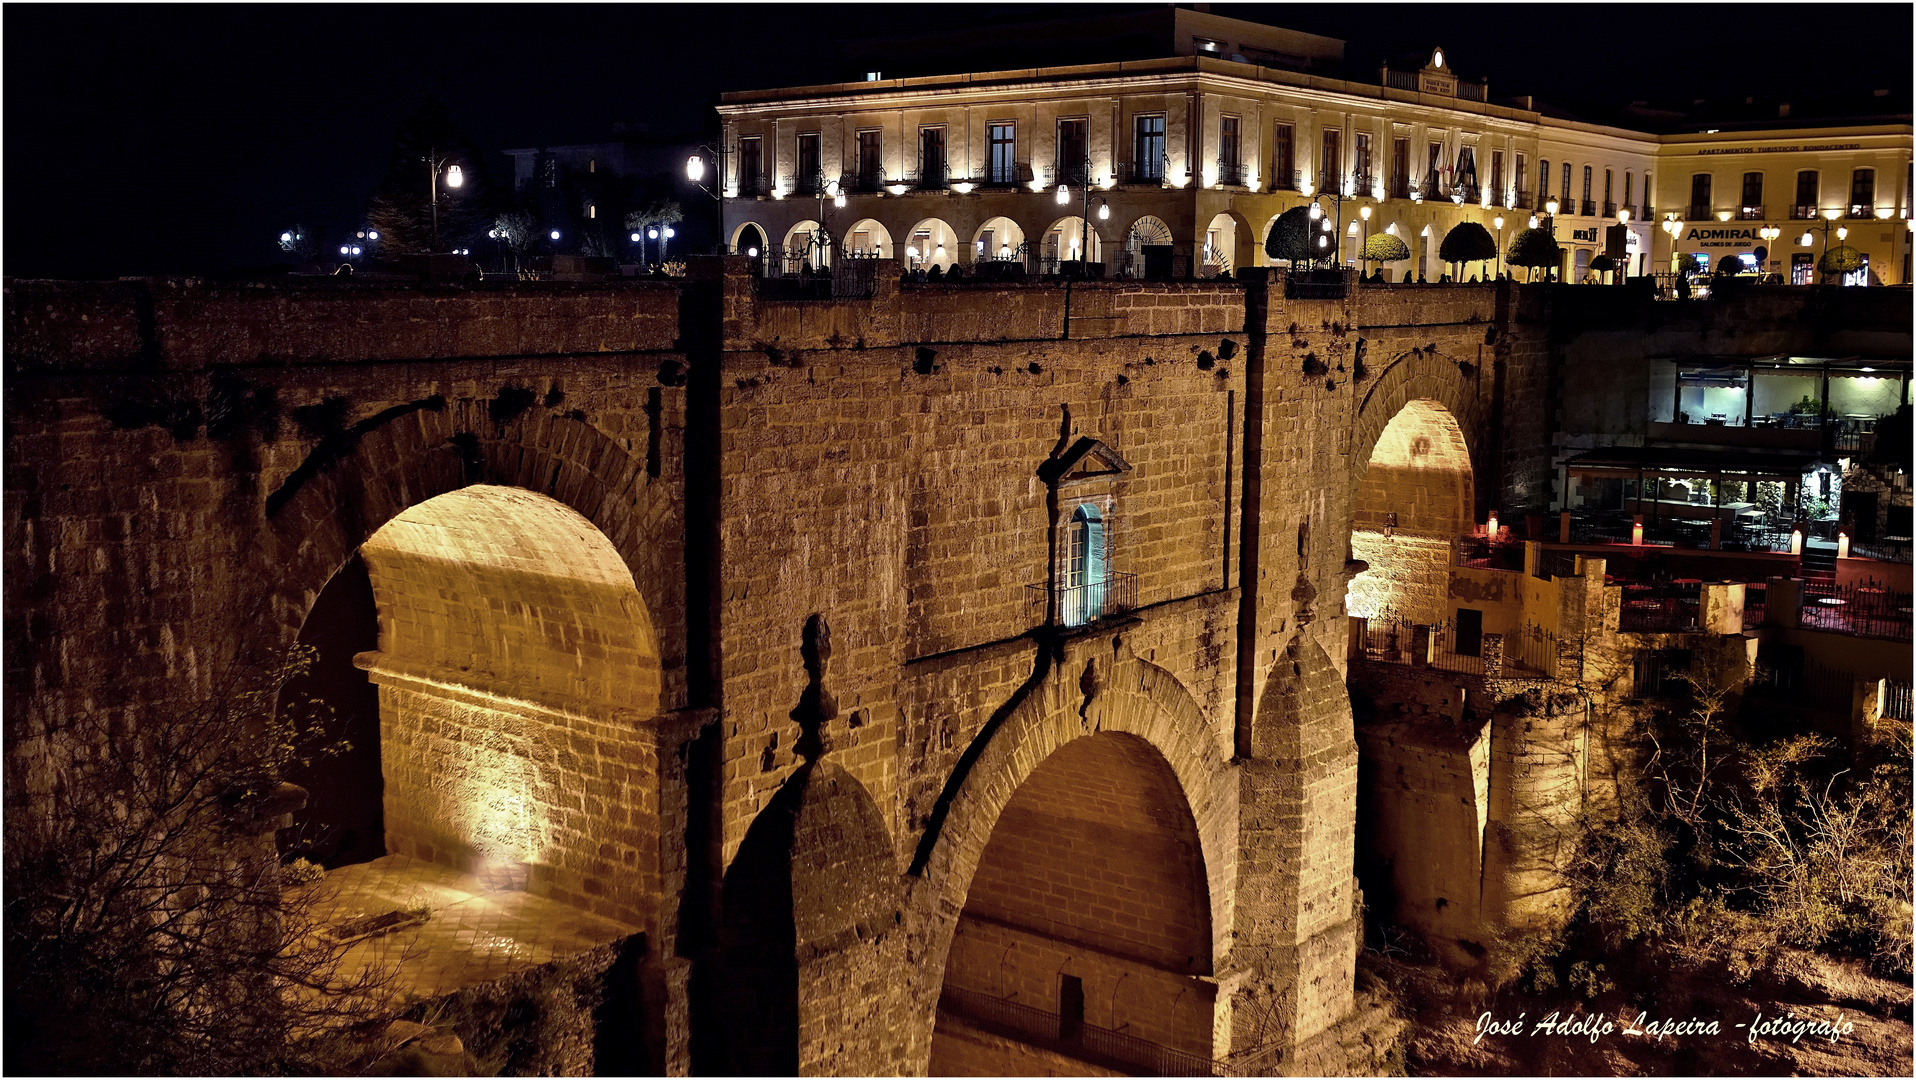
{"x":182,"y":139}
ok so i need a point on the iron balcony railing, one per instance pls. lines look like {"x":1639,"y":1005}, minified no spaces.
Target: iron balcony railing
{"x":1862,"y":210}
{"x":1896,"y":700}
{"x":1803,"y":212}
{"x":1142,"y":172}
{"x":1081,"y":604}
{"x":1589,"y":208}
{"x":1479,"y":553}
{"x":1363,"y":184}
{"x":865,"y":183}
{"x":1525,"y":200}
{"x":1230,"y":173}
{"x":1862,"y":610}
{"x":751,"y":186}
{"x":1697,"y":212}
{"x":1609,"y":209}
{"x":1007,"y":174}
{"x":1665,"y":607}
{"x":1074,"y":1038}
{"x":1399,"y":187}
{"x":1749,"y":213}
{"x":1286,"y":179}
{"x":1756,"y":596}
{"x":933,"y":177}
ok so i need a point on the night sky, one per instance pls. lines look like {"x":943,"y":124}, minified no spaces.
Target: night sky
{"x":160,"y":139}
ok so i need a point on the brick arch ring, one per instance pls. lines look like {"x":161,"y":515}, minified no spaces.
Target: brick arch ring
{"x":1415,"y":376}
{"x":317,"y":526}
{"x":1140,"y":699}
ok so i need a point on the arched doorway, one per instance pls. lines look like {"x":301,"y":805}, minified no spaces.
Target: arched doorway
{"x":1147,"y":249}
{"x":1086,"y":932}
{"x":931,"y":243}
{"x":1414,"y":496}
{"x":1226,"y":245}
{"x":805,"y":246}
{"x":749,"y":239}
{"x":510,"y":634}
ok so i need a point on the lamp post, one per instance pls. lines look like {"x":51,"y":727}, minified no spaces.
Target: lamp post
{"x":1085,"y":199}
{"x":695,"y":172}
{"x":1363,"y":212}
{"x":1769,"y":233}
{"x":1623,"y":222}
{"x":455,"y":178}
{"x":1550,"y":208}
{"x":1327,"y":227}
{"x":1499,"y":222}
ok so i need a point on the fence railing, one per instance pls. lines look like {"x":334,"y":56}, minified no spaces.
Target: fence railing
{"x":1756,"y":596}
{"x":1665,"y":607}
{"x":1556,"y":564}
{"x":1081,"y":604}
{"x":1862,"y":610}
{"x":1896,"y":699}
{"x":795,"y":274}
{"x":1885,"y":550}
{"x":1532,"y":649}
{"x":1141,"y":1057}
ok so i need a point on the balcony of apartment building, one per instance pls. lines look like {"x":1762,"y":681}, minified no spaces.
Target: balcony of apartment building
{"x":1698,"y":212}
{"x":1230,"y":173}
{"x":1006,"y":174}
{"x":1804,"y":212}
{"x":1363,"y":184}
{"x":1524,"y":201}
{"x":1399,"y":186}
{"x":1589,"y":208}
{"x":752,"y":185}
{"x":1609,"y":209}
{"x":1861,"y":210}
{"x":1151,"y":173}
{"x":863,"y":182}
{"x":1750,"y":213}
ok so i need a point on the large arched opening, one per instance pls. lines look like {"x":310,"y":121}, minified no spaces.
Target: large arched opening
{"x":1413,"y":497}
{"x":1066,"y":240}
{"x":931,"y":243}
{"x":868,"y":237}
{"x":999,"y":239}
{"x":506,"y":666}
{"x":749,"y":239}
{"x":1086,"y":932}
{"x":1227,"y":244}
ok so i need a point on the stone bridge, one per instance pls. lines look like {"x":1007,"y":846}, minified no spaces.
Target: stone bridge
{"x":884,"y":673}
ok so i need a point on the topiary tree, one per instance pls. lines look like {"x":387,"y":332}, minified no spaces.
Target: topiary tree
{"x":1290,"y":236}
{"x":1840,"y":260}
{"x":1469,"y":242}
{"x":1383,"y":247}
{"x":1532,"y":248}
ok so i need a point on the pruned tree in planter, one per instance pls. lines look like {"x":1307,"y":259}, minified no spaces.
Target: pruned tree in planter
{"x":1840,"y":260}
{"x":1532,"y":248}
{"x":1383,"y":248}
{"x":1468,"y":242}
{"x":1290,"y":236}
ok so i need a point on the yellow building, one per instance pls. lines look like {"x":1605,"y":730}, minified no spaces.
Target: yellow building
{"x":1180,"y":166}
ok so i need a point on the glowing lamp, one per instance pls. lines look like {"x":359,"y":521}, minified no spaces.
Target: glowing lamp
{"x":1842,"y":234}
{"x":1064,"y":194}
{"x":1104,"y":212}
{"x":1842,"y":545}
{"x":635,"y":238}
{"x":962,"y":187}
{"x":1796,"y":541}
{"x":555,"y":234}
{"x":753,"y":252}
{"x":285,"y":238}
{"x":652,"y":234}
{"x":1636,"y":531}
{"x":694,"y":168}
{"x":1623,"y":217}
{"x":1316,"y":211}
{"x":1364,"y":212}
{"x":455,"y":176}
{"x":1551,"y":207}
{"x":1490,"y":525}
{"x":372,"y":234}
{"x":898,"y":189}
{"x":1498,"y":221}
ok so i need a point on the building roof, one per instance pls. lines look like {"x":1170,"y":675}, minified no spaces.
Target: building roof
{"x":1677,"y":458}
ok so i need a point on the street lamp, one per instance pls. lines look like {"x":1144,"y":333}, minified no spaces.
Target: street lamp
{"x":1325,"y":225}
{"x":455,"y":178}
{"x":1085,"y":199}
{"x":1769,"y":233}
{"x":1499,"y":222}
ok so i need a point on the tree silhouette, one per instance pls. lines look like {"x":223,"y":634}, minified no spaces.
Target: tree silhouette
{"x":401,"y":207}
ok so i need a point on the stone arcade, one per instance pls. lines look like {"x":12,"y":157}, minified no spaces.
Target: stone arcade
{"x":908,"y":683}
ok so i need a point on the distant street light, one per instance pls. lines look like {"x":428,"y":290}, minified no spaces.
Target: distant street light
{"x":455,"y":177}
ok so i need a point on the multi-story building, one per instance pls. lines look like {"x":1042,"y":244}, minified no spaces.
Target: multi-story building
{"x":1194,"y":156}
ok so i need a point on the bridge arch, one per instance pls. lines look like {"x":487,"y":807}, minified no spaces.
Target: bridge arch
{"x":518,"y":572}
{"x":1139,"y":731}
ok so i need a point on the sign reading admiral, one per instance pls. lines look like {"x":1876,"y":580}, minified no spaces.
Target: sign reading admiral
{"x":1720,"y":236}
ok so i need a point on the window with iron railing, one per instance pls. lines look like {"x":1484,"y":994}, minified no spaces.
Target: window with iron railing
{"x":871,"y":160}
{"x":1750,"y":213}
{"x":1072,"y":151}
{"x":1862,"y":193}
{"x":1803,"y":212}
{"x":1227,"y":150}
{"x":1230,"y":174}
{"x":1400,"y":169}
{"x":931,"y":158}
{"x":1697,"y":212}
{"x":1001,"y":167}
{"x":751,"y":166}
{"x":1284,"y":155}
{"x":1609,"y":209}
{"x":807,"y":179}
{"x":1589,"y":208}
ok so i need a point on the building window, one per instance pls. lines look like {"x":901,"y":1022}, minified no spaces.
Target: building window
{"x":871,"y":160}
{"x":1362,"y":164}
{"x":1609,"y":194}
{"x":1467,"y":173}
{"x":1568,"y":207}
{"x":1862,"y":193}
{"x":1072,"y":151}
{"x":1699,"y":197}
{"x":1330,"y":164}
{"x":1497,"y":175}
{"x":1543,"y":181}
{"x":1589,"y":205}
{"x":1433,"y":170}
{"x":1400,"y":168}
{"x":1084,"y":569}
{"x":1807,"y":195}
{"x":809,"y":177}
{"x":1284,"y":158}
{"x":1147,"y":162}
{"x":1628,"y":177}
{"x":1522,"y":186}
{"x":751,"y":165}
{"x":1003,"y":142}
{"x":1230,"y":167}
{"x":931,"y":157}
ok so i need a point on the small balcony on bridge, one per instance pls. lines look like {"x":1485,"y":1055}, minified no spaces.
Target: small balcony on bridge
{"x":1082,"y":604}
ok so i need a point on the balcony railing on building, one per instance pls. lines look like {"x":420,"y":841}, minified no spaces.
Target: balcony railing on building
{"x":1589,"y":208}
{"x":1230,"y":173}
{"x":932,"y":176}
{"x":1470,"y":91}
{"x":864,"y":183}
{"x":1525,"y":200}
{"x":802,"y":272}
{"x":1400,"y":80}
{"x":1860,"y":211}
{"x":751,"y":185}
{"x":1697,"y":213}
{"x":1749,"y":213}
{"x":1660,"y":607}
{"x":1287,"y":180}
{"x":1399,"y":187}
{"x":1007,"y":174}
{"x":1074,"y":1038}
{"x":1078,"y":605}
{"x":1803,"y":212}
{"x":1142,"y":173}
{"x":1609,"y":209}
{"x":1479,"y":553}
{"x":1363,"y":184}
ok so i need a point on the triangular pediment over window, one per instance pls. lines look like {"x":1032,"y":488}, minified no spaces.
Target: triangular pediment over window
{"x":1087,"y":459}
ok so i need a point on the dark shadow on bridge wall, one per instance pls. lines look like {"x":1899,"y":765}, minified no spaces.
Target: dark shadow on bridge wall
{"x":344,"y":818}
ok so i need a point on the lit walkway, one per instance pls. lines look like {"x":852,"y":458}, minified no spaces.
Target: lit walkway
{"x":475,"y":934}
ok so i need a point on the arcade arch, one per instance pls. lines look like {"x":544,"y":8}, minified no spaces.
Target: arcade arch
{"x":803,"y":247}
{"x":1227,"y":245}
{"x":869,"y":237}
{"x":999,"y":239}
{"x":749,"y":239}
{"x":931,"y":243}
{"x":1147,"y":232}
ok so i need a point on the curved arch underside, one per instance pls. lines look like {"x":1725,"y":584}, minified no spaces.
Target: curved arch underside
{"x":1415,"y":494}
